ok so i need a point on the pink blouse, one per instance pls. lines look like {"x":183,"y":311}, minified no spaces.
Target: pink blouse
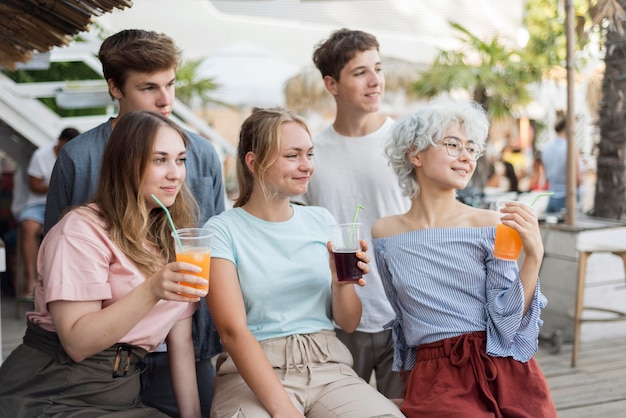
{"x":78,"y":261}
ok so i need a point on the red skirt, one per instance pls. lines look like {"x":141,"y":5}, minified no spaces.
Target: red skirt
{"x":456,"y":378}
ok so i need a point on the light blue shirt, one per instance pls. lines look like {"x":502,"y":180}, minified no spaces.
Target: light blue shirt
{"x":283,"y":269}
{"x":554,"y":157}
{"x":443,"y":283}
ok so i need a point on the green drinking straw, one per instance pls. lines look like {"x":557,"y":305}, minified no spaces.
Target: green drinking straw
{"x":540,"y":195}
{"x":169,"y":218}
{"x":356,"y":214}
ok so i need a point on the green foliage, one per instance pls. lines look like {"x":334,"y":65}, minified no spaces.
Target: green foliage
{"x":59,"y":71}
{"x":497,"y":75}
{"x":545,"y":23}
{"x":494,"y":74}
{"x":189,"y":85}
{"x":65,"y":71}
{"x":546,"y":30}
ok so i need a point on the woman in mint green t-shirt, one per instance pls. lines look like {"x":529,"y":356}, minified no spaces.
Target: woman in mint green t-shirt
{"x":274,"y":294}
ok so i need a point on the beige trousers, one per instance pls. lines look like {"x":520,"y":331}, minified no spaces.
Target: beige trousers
{"x":315,"y":371}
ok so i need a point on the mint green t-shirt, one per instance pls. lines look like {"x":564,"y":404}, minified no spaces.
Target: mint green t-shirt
{"x":283,"y":269}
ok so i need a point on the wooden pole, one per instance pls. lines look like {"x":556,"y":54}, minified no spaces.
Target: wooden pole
{"x":571,"y":166}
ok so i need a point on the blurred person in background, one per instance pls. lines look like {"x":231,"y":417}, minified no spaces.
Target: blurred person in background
{"x":538,"y":180}
{"x":31,"y":217}
{"x":554,"y":158}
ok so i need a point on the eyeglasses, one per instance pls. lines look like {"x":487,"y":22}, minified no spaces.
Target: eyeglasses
{"x":455,"y":147}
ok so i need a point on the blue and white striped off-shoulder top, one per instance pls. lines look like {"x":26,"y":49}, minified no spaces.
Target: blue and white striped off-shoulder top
{"x":443,"y":283}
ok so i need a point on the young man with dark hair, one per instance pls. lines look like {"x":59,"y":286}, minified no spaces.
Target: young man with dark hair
{"x":351,"y":169}
{"x":140,"y":69}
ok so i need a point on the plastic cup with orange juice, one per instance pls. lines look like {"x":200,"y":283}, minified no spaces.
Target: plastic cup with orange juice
{"x":508,"y":243}
{"x":193,"y":246}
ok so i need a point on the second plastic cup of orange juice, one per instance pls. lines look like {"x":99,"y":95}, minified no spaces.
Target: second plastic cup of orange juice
{"x":194,"y":247}
{"x":508,"y":243}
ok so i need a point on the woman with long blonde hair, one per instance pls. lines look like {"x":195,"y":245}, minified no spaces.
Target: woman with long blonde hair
{"x":274,"y":289}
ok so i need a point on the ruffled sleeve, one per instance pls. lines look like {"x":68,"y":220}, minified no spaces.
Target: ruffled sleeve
{"x":404,"y":356}
{"x":510,"y":332}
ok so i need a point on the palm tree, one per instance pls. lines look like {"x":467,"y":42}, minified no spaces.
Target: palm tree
{"x":189,"y":86}
{"x":609,"y":199}
{"x":495,"y":75}
{"x":604,"y":17}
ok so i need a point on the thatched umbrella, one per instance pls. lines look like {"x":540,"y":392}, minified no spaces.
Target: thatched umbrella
{"x":39,"y":25}
{"x":306,"y":92}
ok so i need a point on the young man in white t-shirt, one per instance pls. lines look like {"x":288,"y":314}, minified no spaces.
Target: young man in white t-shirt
{"x":351,"y":169}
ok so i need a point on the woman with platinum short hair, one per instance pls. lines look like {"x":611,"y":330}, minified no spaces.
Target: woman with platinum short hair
{"x":467,"y":323}
{"x":424,"y":128}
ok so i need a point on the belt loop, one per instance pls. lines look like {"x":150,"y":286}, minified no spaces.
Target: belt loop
{"x":122,"y":360}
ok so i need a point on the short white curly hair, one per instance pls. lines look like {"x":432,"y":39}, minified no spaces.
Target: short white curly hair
{"x":424,"y":128}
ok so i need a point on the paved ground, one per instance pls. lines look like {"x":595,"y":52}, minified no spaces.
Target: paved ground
{"x":12,"y":327}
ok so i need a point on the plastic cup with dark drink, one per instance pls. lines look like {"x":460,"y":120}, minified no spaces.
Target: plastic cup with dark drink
{"x":346,"y":242}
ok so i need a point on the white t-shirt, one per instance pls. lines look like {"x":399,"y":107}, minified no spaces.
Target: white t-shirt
{"x":40,"y":166}
{"x":351,"y":171}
